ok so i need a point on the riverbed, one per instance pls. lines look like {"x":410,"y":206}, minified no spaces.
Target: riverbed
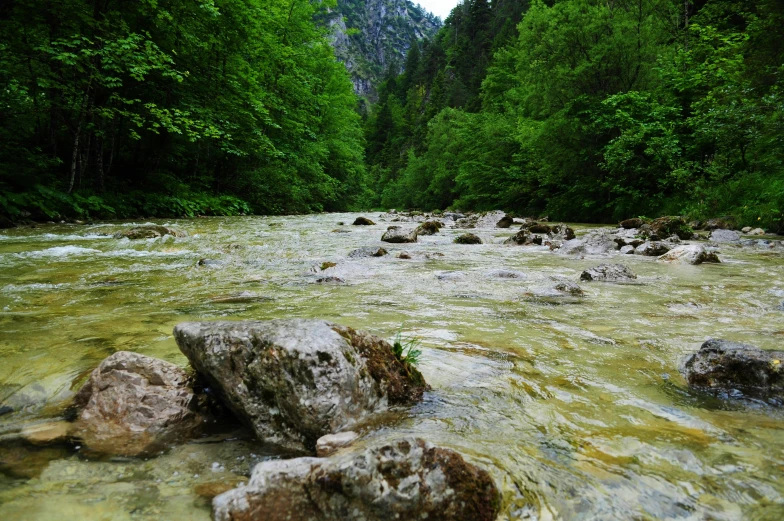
{"x":577,"y":410}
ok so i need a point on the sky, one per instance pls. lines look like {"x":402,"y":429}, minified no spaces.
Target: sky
{"x":439,"y":8}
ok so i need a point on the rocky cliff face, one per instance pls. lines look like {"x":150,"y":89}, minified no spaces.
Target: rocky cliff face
{"x":370,"y":35}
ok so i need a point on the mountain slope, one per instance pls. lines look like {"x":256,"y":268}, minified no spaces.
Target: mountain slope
{"x":371,"y":35}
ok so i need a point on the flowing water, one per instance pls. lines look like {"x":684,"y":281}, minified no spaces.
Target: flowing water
{"x":577,"y":410}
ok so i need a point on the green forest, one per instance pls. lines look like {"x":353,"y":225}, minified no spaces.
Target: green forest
{"x":582,"y":110}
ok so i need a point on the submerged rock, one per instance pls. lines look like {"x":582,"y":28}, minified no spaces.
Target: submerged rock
{"x":507,"y":274}
{"x":609,"y":273}
{"x":367,"y":251}
{"x":362,"y":221}
{"x":210,"y":263}
{"x":406,"y":479}
{"x":563,"y":292}
{"x":468,"y":238}
{"x":330,"y":279}
{"x":726,"y":365}
{"x":134,"y":404}
{"x":149,"y":231}
{"x":293,"y":381}
{"x":396,"y":234}
{"x":689,"y":254}
{"x":721,"y":235}
{"x":331,"y":443}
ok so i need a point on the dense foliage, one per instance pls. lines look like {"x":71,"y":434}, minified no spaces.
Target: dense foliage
{"x":151,"y":107}
{"x":591,"y":110}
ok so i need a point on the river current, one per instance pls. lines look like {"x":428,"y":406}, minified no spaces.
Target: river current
{"x":577,"y":410}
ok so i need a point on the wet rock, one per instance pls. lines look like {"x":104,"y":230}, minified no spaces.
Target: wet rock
{"x":331,"y":279}
{"x":505,"y":222}
{"x":561,"y":232}
{"x":396,"y":234}
{"x":455,"y":216}
{"x":429,"y":228}
{"x":671,"y":225}
{"x":6,"y":409}
{"x":368,"y":251}
{"x":149,"y":231}
{"x":727,"y":236}
{"x":537,"y":228}
{"x":406,"y":479}
{"x":599,"y":243}
{"x":719,"y":223}
{"x":689,"y":254}
{"x":293,"y":381}
{"x":331,"y":443}
{"x":134,"y":404}
{"x":481,"y":220}
{"x":404,"y":255}
{"x":468,"y":238}
{"x":652,"y":248}
{"x":328,"y":265}
{"x":47,"y":433}
{"x":562,"y":292}
{"x":726,"y":365}
{"x":363,"y":221}
{"x":522,"y":238}
{"x":210,"y":263}
{"x":572,"y":247}
{"x":6,"y":223}
{"x":627,"y":250}
{"x":629,"y":224}
{"x":609,"y":273}
{"x":568,"y":287}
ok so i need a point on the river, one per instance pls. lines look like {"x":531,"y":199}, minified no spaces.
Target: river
{"x":578,"y":410}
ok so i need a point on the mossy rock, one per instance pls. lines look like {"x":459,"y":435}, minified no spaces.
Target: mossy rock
{"x":468,"y":238}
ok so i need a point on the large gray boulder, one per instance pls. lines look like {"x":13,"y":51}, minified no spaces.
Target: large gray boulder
{"x":608,"y":273}
{"x":720,"y":235}
{"x":726,"y":365}
{"x":293,"y":381}
{"x":406,"y":479}
{"x":599,"y":243}
{"x":689,"y":254}
{"x":136,"y":405}
{"x":396,"y":234}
